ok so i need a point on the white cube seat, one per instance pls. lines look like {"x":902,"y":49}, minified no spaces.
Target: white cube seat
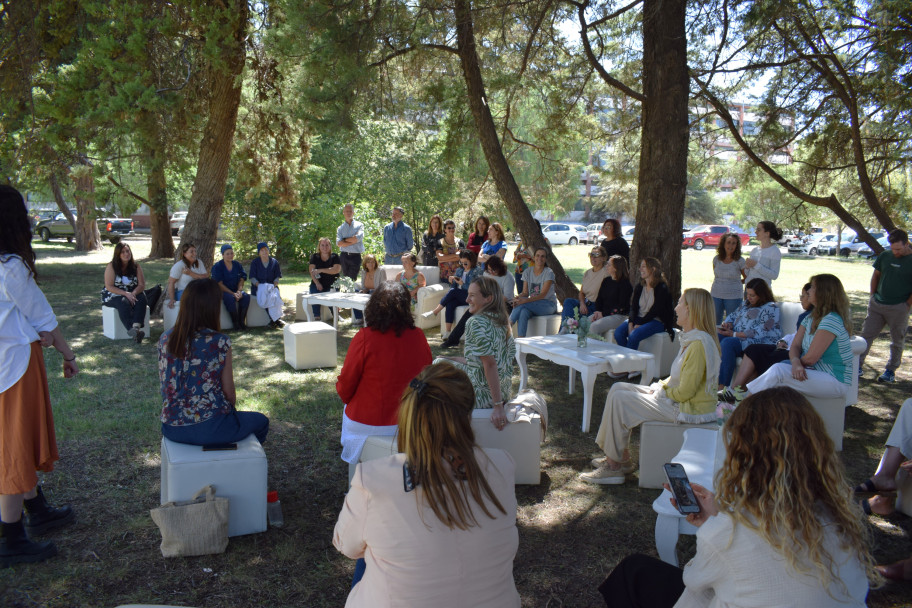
{"x":522,"y":440}
{"x":256,"y":314}
{"x":659,"y":442}
{"x":113,"y":328}
{"x":543,"y":325}
{"x":428,"y":297}
{"x":665,"y":350}
{"x":238,"y":475}
{"x":310,"y":344}
{"x":832,"y":411}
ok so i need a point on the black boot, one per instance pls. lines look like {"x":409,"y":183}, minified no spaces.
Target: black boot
{"x":41,"y":517}
{"x":16,"y":548}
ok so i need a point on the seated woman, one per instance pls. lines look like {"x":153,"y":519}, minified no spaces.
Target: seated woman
{"x":434,"y":525}
{"x":537,"y":298}
{"x":456,"y":296}
{"x":324,"y":268}
{"x":758,"y":358}
{"x":380,"y":361}
{"x":197,"y":378}
{"x":123,"y":290}
{"x":651,"y":309}
{"x":186,"y":269}
{"x":821,"y":353}
{"x":410,"y":277}
{"x":497,"y":270}
{"x":756,"y":321}
{"x":795,"y":541}
{"x":448,"y":249}
{"x":230,"y":276}
{"x":494,"y":246}
{"x":370,"y":279}
{"x":489,"y":349}
{"x":264,"y":284}
{"x":592,"y":281}
{"x":688,"y":395}
{"x":612,"y":304}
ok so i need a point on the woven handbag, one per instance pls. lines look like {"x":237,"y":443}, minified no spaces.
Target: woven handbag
{"x":193,"y":527}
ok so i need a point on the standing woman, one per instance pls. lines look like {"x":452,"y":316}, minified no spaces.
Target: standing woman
{"x":448,"y":249}
{"x":537,"y":298}
{"x":27,"y":439}
{"x":430,"y":241}
{"x":123,"y":290}
{"x":325,"y":267}
{"x":230,"y":276}
{"x":764,"y":260}
{"x":589,"y":289}
{"x":264,"y":284}
{"x":614,"y":243}
{"x":612,"y":305}
{"x":410,"y":277}
{"x":436,"y":523}
{"x":728,"y":269}
{"x":477,"y":238}
{"x":650,"y":309}
{"x":494,"y":246}
{"x":186,"y":269}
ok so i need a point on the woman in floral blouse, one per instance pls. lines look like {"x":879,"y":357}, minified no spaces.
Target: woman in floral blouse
{"x":197,"y":379}
{"x":756,"y":321}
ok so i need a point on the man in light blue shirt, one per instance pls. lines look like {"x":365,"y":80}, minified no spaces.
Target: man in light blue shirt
{"x":397,"y":238}
{"x":350,"y":239}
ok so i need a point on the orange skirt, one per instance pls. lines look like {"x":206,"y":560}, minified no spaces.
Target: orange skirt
{"x":27,"y":441}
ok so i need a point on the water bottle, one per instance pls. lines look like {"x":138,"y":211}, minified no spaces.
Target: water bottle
{"x":274,"y":510}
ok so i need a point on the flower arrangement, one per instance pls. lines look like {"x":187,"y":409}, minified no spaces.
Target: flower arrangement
{"x":345,"y":284}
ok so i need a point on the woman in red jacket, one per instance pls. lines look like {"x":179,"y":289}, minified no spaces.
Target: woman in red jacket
{"x":381,"y":360}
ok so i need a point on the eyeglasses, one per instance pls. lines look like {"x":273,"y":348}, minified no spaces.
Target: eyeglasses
{"x":595,"y":255}
{"x":466,"y":264}
{"x":449,"y":228}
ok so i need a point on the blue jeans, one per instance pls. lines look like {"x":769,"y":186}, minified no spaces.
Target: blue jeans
{"x":360,"y":567}
{"x":316,"y":307}
{"x":521,"y":314}
{"x":238,"y":315}
{"x":570,"y":304}
{"x":223,"y":428}
{"x":731,"y":350}
{"x":632,"y":341}
{"x":519,"y":281}
{"x":357,"y":313}
{"x":452,"y":300}
{"x":725,"y":307}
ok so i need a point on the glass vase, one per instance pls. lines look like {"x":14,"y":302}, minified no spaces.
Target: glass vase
{"x":581,"y":340}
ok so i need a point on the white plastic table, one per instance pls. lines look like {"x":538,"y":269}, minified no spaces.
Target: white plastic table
{"x":591,"y":361}
{"x":333,"y":299}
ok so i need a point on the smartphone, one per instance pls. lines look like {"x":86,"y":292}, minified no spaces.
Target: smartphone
{"x":680,"y":487}
{"x":219,"y":447}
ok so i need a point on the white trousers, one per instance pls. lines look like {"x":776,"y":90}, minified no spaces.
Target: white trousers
{"x":270,"y":300}
{"x":901,"y":433}
{"x":606,"y":324}
{"x":629,"y":405}
{"x":818,"y":384}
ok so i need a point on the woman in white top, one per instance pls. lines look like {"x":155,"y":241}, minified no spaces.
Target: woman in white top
{"x":537,"y":297}
{"x":186,"y":269}
{"x":728,"y":270}
{"x":27,"y":440}
{"x":780,"y":530}
{"x":764,"y":260}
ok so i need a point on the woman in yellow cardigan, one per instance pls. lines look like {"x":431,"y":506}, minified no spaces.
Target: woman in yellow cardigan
{"x":685,"y":396}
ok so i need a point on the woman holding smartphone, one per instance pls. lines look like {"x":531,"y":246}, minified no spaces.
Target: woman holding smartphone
{"x":780,"y":529}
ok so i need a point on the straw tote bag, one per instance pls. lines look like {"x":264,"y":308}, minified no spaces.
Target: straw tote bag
{"x":193,"y":527}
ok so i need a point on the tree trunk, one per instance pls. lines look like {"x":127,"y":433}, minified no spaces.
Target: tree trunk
{"x":86,"y":233}
{"x":208,"y":195}
{"x":61,"y":202}
{"x":663,"y":155}
{"x":490,"y":143}
{"x":156,"y":188}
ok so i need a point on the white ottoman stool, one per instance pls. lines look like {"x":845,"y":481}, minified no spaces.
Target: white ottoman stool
{"x":310,"y":344}
{"x":256,"y":315}
{"x":113,"y":328}
{"x":659,"y":442}
{"x":545,"y":325}
{"x":238,"y":475}
{"x":169,"y":315}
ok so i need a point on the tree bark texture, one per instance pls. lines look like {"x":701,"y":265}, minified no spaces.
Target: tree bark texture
{"x":87,"y":236}
{"x":490,"y":144}
{"x":156,"y":187}
{"x":61,"y":202}
{"x":208,"y":194}
{"x":663,"y":155}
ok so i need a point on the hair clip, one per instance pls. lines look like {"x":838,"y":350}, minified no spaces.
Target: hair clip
{"x":418,"y":386}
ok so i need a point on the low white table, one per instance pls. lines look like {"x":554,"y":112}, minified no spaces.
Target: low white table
{"x":333,"y":299}
{"x":591,"y":361}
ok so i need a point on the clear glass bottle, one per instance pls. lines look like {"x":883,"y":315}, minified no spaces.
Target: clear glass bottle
{"x":274,"y":510}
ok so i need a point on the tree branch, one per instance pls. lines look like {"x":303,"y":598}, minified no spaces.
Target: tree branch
{"x":129,"y":192}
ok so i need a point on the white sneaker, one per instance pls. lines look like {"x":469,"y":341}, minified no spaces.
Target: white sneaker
{"x":633,"y":375}
{"x":428,"y":315}
{"x":605,"y":476}
{"x":444,"y":335}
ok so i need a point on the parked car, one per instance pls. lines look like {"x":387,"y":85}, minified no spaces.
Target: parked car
{"x":563,"y":234}
{"x":627,"y":233}
{"x":709,"y":236}
{"x":594,"y":233}
{"x":833,"y":247}
{"x":868,"y":253}
{"x":219,"y":232}
{"x":177,"y":222}
{"x":54,"y":228}
{"x":812,"y":244}
{"x":857,"y":244}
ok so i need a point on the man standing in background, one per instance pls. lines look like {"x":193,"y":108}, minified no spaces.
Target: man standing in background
{"x":397,"y":238}
{"x":350,"y":240}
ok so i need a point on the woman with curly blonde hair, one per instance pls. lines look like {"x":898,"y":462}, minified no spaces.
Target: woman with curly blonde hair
{"x":781,"y":530}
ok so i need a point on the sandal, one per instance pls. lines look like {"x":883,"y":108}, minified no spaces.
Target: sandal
{"x":869,"y":487}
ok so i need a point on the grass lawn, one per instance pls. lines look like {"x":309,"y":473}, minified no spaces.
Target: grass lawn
{"x":571,"y":533}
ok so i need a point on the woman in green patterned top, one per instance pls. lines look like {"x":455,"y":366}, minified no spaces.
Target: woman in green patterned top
{"x":489,"y":349}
